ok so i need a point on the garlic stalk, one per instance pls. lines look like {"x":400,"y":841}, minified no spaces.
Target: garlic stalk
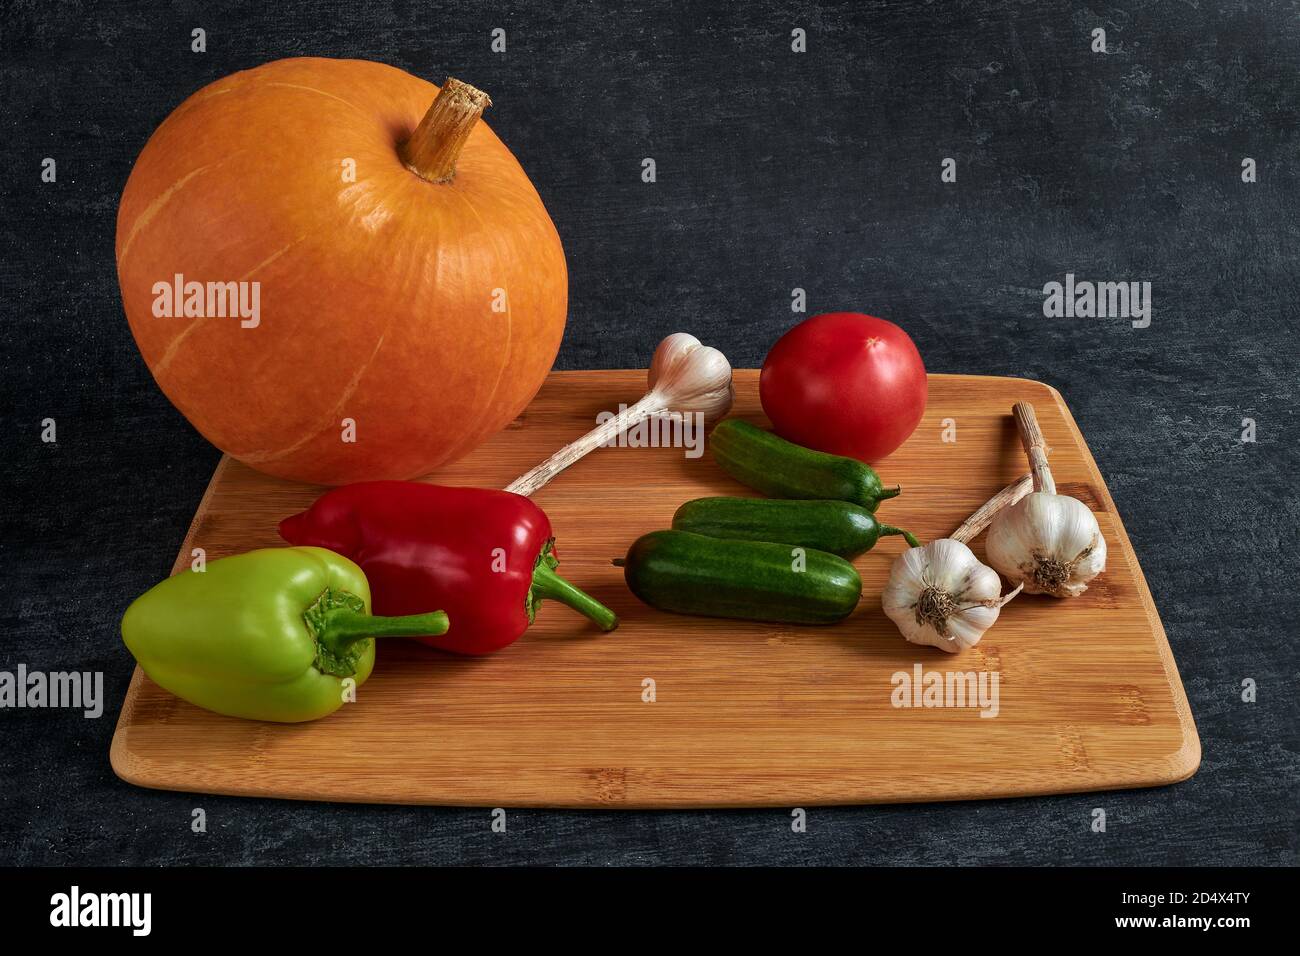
{"x":940,"y":594}
{"x":1048,"y":542}
{"x":685,"y":378}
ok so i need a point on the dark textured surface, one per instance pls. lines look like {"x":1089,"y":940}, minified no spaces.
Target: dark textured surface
{"x":775,"y":170}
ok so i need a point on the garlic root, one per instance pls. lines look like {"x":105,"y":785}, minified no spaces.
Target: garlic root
{"x":685,"y":377}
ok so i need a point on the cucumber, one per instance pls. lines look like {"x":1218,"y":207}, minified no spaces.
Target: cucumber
{"x":838,"y":527}
{"x":753,"y":580}
{"x":768,"y":463}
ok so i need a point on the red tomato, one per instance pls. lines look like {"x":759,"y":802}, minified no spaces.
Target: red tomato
{"x":845,"y":383}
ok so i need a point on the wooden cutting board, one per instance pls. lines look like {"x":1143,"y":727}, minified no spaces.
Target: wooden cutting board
{"x":743,"y":714}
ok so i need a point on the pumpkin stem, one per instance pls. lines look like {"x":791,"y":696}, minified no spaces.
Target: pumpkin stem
{"x":433,"y":148}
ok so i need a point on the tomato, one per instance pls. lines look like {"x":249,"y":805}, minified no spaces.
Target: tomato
{"x":845,"y":383}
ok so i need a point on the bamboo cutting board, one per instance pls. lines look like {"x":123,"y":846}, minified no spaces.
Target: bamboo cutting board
{"x":743,"y":714}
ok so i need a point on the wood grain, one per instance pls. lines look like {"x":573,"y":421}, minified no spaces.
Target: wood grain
{"x":745,"y":714}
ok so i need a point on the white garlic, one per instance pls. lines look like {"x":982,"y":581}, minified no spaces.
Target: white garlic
{"x":940,"y":594}
{"x":685,"y":378}
{"x":688,"y":376}
{"x":1050,"y":543}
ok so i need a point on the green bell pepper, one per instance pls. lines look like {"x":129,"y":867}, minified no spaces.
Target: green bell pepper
{"x":268,"y":635}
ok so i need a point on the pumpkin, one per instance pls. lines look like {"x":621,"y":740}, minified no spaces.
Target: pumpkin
{"x":337,"y":272}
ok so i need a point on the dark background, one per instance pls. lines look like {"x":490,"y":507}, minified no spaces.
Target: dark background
{"x":775,"y":170}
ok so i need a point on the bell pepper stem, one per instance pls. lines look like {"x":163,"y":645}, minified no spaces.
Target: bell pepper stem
{"x":888,"y":529}
{"x":343,"y":627}
{"x":548,"y":584}
{"x":893,"y":492}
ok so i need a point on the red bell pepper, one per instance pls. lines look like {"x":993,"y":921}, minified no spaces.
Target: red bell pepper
{"x":485,"y":557}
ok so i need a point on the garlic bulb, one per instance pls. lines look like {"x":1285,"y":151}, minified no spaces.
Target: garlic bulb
{"x":1050,"y":543}
{"x":688,"y":376}
{"x":685,"y":378}
{"x":940,"y":594}
{"x":943,"y":596}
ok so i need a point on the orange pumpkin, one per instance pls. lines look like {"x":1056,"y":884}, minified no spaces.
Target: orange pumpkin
{"x":331,"y":288}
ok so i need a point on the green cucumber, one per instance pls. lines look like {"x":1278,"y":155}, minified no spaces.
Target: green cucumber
{"x":838,"y":527}
{"x":768,"y":463}
{"x":754,"y":580}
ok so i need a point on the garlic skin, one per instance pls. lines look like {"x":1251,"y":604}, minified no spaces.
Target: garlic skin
{"x":688,"y":376}
{"x":1049,"y":543}
{"x":942,"y":596}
